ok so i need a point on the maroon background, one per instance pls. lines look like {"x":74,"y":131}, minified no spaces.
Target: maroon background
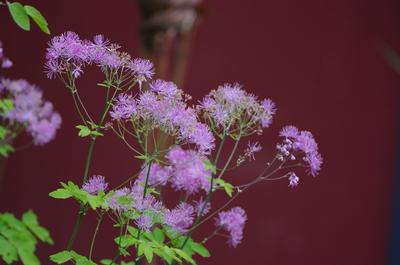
{"x":317,"y":59}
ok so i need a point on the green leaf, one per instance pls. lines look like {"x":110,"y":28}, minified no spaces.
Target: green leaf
{"x":83,"y":130}
{"x":19,"y":15}
{"x":184,"y":255}
{"x":96,"y":133}
{"x":200,"y":249}
{"x":7,"y":251}
{"x":61,"y":257}
{"x":148,"y":253}
{"x":28,"y":257}
{"x":158,"y":235}
{"x":6,"y":149}
{"x":6,"y":105}
{"x":38,"y":18}
{"x":208,"y":165}
{"x":3,"y":132}
{"x":60,"y":194}
{"x":30,"y":219}
{"x":226,"y":186}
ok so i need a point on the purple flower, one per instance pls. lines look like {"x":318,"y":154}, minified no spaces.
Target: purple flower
{"x":180,"y":218}
{"x":158,"y":175}
{"x":233,"y":222}
{"x":188,"y":171}
{"x":142,"y":69}
{"x":289,"y":132}
{"x":300,"y":143}
{"x":314,"y":160}
{"x":31,"y":111}
{"x":163,"y":108}
{"x":124,"y":107}
{"x":144,"y":222}
{"x":95,"y":184}
{"x":252,"y":148}
{"x":121,"y":200}
{"x":165,"y":88}
{"x":293,"y":180}
{"x":229,"y":106}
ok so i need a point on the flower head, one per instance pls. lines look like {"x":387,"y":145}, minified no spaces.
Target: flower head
{"x":188,"y":170}
{"x":124,"y":107}
{"x":95,"y":184}
{"x":180,"y":218}
{"x":30,"y":110}
{"x":300,"y":143}
{"x":231,"y":107}
{"x":293,"y":180}
{"x":233,"y":222}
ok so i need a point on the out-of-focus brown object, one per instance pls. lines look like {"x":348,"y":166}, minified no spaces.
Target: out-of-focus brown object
{"x":166,"y":31}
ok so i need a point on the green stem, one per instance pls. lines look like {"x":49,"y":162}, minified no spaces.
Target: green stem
{"x":82,"y":208}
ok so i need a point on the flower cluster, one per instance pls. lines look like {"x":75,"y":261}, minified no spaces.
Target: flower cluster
{"x":95,"y":185}
{"x":230,"y":108}
{"x":67,"y":53}
{"x":300,"y":143}
{"x":164,"y":107}
{"x":30,"y":110}
{"x":188,"y":165}
{"x":232,"y":221}
{"x":188,"y":171}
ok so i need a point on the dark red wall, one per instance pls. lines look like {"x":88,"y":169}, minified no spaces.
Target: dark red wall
{"x":317,"y":59}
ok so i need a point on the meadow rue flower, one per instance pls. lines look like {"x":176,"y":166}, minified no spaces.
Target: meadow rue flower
{"x":252,"y":148}
{"x":95,"y":184}
{"x":121,"y":200}
{"x":31,"y":110}
{"x":181,"y":218}
{"x":293,"y":180}
{"x":124,"y":107}
{"x":300,"y":143}
{"x":68,"y":53}
{"x":188,"y":171}
{"x":233,"y":222}
{"x":158,"y":175}
{"x":144,"y":222}
{"x":142,"y":69}
{"x":164,"y":107}
{"x":231,"y":107}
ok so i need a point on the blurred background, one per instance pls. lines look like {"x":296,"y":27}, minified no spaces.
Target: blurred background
{"x":318,"y":60}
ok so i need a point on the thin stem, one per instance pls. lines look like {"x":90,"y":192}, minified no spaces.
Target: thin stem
{"x":211,"y":190}
{"x":94,"y":235}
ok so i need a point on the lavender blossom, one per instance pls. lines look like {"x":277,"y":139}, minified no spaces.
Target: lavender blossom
{"x":158,"y":175}
{"x":121,"y":200}
{"x":293,"y":180}
{"x":145,"y":222}
{"x":142,"y":69}
{"x":95,"y":184}
{"x":230,"y":105}
{"x":300,"y":143}
{"x":180,"y":218}
{"x":252,"y":148}
{"x":124,"y":107}
{"x":31,"y":110}
{"x":233,"y":222}
{"x":188,"y":171}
